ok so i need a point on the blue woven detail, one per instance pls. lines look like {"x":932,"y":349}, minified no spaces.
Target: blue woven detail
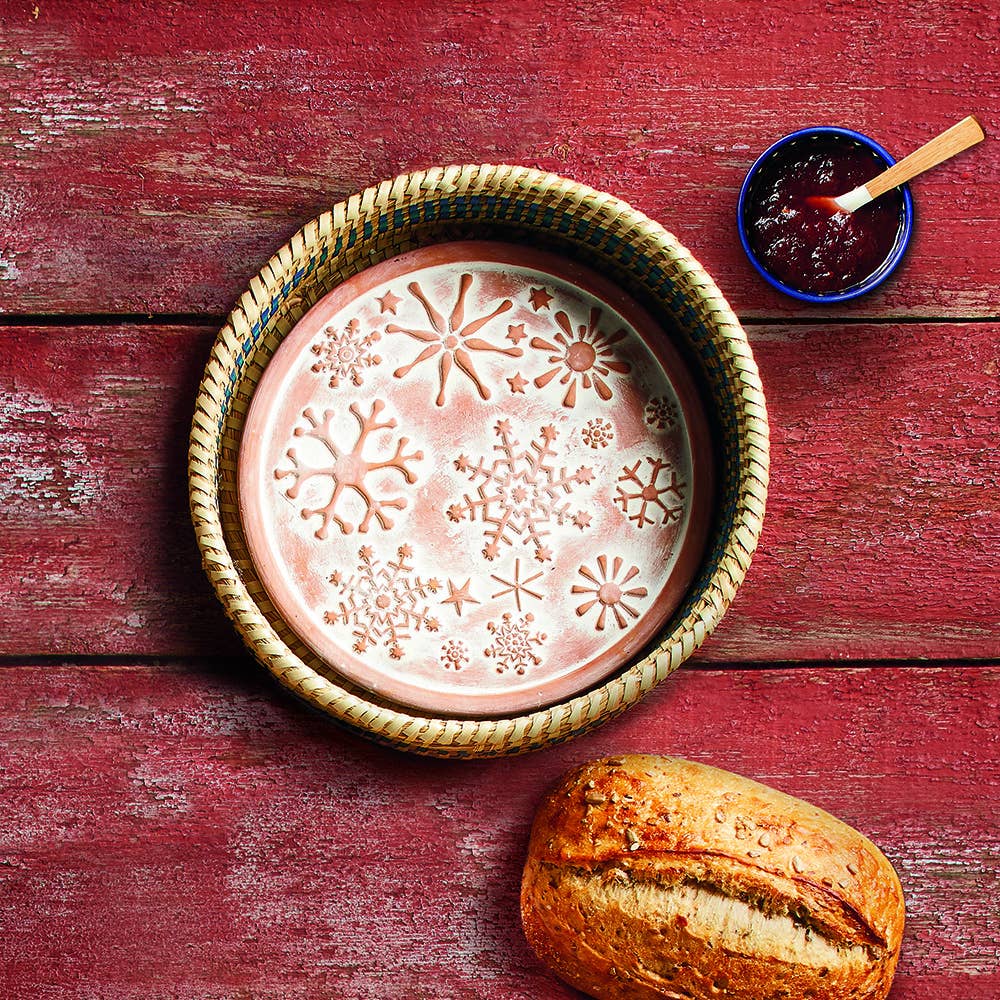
{"x":515,"y":210}
{"x":708,"y":350}
{"x":383,"y":224}
{"x":366,"y":230}
{"x":504,"y":208}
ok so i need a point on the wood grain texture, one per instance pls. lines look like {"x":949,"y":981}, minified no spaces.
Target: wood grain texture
{"x":155,"y":154}
{"x":190,"y":833}
{"x":881,"y":530}
{"x":184,"y":830}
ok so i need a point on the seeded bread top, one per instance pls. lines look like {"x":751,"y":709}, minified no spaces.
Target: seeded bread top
{"x":665,"y":819}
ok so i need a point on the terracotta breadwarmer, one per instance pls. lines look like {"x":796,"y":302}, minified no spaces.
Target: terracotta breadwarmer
{"x":479,"y":459}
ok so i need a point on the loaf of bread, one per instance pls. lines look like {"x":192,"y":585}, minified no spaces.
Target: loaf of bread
{"x":657,"y":877}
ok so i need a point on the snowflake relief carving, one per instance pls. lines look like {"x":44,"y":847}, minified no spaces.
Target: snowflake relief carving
{"x":517,"y":587}
{"x":605,"y":591}
{"x":520,"y":492}
{"x":345,"y":353}
{"x":454,"y":655}
{"x":384,"y":603}
{"x":345,"y":470}
{"x":452,"y":340}
{"x":582,"y":359}
{"x":598,"y":433}
{"x":661,"y":413}
{"x":638,"y":493}
{"x":514,"y":643}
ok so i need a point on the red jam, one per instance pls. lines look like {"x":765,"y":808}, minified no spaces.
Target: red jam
{"x":803,"y":245}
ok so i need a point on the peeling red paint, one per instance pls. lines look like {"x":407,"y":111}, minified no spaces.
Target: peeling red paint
{"x":881,"y":525}
{"x":190,"y":831}
{"x":181,"y":828}
{"x":154,"y":156}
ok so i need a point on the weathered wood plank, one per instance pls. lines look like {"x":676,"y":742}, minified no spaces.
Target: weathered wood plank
{"x":881,"y":539}
{"x":155,"y":156}
{"x":188,"y":831}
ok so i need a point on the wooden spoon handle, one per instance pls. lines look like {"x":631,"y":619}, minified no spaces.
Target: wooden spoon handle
{"x":953,"y":140}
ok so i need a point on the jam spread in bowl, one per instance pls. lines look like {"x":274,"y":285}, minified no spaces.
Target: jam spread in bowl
{"x":798,"y":245}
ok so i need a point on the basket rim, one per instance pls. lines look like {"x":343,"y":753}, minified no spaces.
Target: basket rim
{"x":451,"y":736}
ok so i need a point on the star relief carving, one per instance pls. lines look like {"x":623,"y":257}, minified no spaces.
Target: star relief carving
{"x":389,"y":302}
{"x":457,"y":596}
{"x":539,"y":298}
{"x":517,"y":383}
{"x":515,"y":333}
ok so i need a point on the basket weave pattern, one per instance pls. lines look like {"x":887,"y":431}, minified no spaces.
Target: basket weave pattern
{"x":518,"y":205}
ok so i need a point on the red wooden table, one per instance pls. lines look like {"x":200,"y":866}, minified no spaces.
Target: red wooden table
{"x":171,"y":824}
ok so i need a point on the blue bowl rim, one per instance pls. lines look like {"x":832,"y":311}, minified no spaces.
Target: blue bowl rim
{"x":888,"y":265}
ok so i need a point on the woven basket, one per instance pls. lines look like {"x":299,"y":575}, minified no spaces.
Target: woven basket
{"x":515,"y":204}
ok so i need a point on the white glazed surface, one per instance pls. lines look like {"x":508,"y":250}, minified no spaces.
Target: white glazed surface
{"x":513,"y":473}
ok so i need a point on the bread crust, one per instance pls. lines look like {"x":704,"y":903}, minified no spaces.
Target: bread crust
{"x":652,"y":877}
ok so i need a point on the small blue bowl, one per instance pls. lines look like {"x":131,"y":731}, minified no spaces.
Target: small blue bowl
{"x":873,"y":280}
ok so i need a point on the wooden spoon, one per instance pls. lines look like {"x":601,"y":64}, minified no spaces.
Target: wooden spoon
{"x":942,"y":147}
